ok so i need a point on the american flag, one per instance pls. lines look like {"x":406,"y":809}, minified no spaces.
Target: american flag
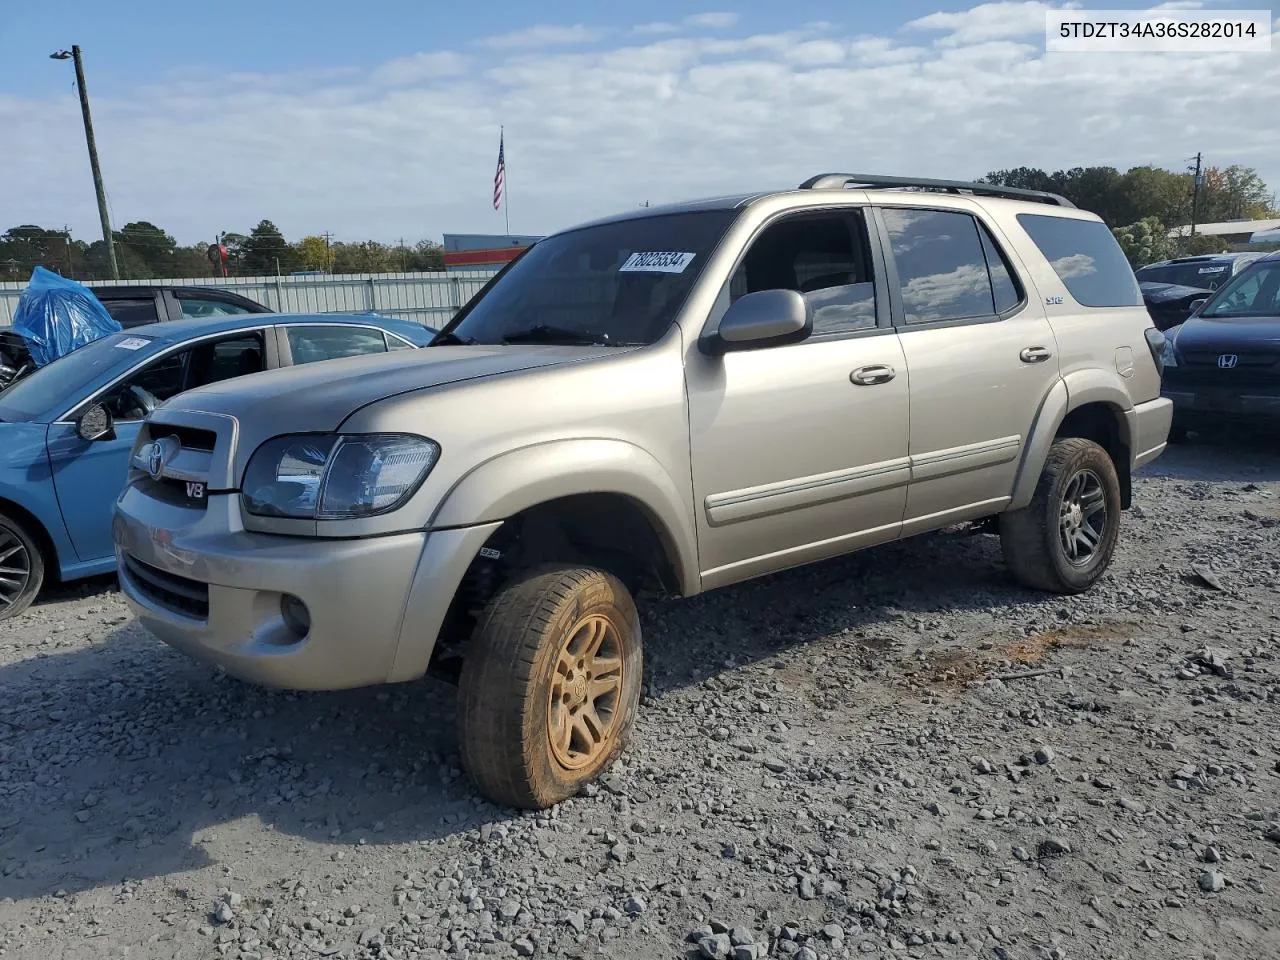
{"x":499,"y":176}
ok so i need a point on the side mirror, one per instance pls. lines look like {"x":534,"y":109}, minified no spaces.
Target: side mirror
{"x":1197,"y":304}
{"x":766,"y":318}
{"x":96,"y":423}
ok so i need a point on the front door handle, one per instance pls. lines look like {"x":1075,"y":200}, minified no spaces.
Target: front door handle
{"x":1035,"y":354}
{"x":873,"y":374}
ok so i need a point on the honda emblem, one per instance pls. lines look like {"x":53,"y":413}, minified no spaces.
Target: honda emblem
{"x":1228,"y":361}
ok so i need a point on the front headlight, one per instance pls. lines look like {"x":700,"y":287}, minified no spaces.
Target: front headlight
{"x":335,"y":476}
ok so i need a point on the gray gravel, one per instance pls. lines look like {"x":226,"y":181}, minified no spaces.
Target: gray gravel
{"x":825,"y":767}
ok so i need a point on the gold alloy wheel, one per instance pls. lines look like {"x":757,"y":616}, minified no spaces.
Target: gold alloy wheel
{"x":582,"y":712}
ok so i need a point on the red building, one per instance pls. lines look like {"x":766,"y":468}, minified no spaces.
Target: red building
{"x":482,"y":251}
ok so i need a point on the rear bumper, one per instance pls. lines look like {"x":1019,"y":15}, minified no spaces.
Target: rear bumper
{"x":375,"y":605}
{"x":1149,"y":430}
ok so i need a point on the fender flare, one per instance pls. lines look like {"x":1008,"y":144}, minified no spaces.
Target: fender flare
{"x":1068,"y":393}
{"x":503,"y":486}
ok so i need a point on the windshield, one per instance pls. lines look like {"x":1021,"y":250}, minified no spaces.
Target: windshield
{"x":1203,"y":274}
{"x":64,"y":380}
{"x":1253,"y":293}
{"x":616,"y":284}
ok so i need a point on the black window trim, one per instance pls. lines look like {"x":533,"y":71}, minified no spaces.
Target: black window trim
{"x":270,"y":362}
{"x":895,"y":286}
{"x":884,"y":322}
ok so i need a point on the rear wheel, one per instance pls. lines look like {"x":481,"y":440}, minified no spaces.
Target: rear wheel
{"x":21,"y":567}
{"x":1064,"y":539}
{"x":549,"y":685}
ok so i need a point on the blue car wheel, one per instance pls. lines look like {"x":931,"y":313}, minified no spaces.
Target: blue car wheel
{"x":21,"y":568}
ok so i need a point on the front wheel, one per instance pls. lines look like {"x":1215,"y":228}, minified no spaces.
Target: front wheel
{"x":21,"y":568}
{"x":550,"y":685}
{"x":1064,"y":539}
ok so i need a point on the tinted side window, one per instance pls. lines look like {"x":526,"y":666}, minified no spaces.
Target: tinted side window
{"x":201,"y":307}
{"x":942,"y":268}
{"x":326,"y":342}
{"x":825,"y":258}
{"x":132,"y":313}
{"x":1087,"y":259}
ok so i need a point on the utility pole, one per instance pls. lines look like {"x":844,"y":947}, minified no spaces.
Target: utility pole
{"x":328,"y":257}
{"x":93,"y":155}
{"x":1195,"y":195}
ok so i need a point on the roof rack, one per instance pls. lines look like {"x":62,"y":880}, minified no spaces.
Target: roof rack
{"x":838,"y":181}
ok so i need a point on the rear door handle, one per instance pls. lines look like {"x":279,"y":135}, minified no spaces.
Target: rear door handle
{"x":873,"y":374}
{"x":1035,"y":354}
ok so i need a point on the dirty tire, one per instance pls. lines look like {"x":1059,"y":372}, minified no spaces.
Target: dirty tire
{"x":21,"y":567}
{"x":1033,"y":538}
{"x":523,"y":682}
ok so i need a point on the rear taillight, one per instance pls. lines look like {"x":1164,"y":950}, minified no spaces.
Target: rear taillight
{"x":1156,"y":341}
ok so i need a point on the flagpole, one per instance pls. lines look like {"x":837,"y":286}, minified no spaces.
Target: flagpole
{"x":506,"y":185}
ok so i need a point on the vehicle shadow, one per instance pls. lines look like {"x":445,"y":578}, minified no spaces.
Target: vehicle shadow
{"x":1232,"y":454}
{"x":124,"y":759}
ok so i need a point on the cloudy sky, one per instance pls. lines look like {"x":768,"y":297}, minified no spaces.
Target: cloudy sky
{"x":380,"y":119}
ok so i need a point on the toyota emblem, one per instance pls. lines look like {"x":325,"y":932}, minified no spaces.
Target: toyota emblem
{"x":1228,"y":361}
{"x":160,"y":453}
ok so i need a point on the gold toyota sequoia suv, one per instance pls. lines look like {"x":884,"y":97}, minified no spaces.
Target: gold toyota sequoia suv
{"x":673,"y":398}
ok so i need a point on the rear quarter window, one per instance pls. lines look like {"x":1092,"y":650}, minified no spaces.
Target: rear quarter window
{"x":1087,"y":259}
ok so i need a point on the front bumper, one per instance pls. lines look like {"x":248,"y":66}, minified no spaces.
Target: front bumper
{"x":202,"y":584}
{"x":1194,"y":404}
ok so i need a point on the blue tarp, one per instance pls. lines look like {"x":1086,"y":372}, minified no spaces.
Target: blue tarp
{"x":56,"y":315}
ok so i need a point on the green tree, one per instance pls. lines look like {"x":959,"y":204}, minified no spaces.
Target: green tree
{"x":149,"y":245}
{"x":426,"y":255}
{"x":265,"y":250}
{"x":368,"y":256}
{"x":27,"y":246}
{"x":1234,"y":193}
{"x":1145,"y":241}
{"x":192,"y":261}
{"x":314,"y":254}
{"x":1153,"y":192}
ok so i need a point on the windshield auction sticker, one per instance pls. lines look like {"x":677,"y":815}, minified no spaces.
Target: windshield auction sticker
{"x":656,"y":262}
{"x":132,"y":343}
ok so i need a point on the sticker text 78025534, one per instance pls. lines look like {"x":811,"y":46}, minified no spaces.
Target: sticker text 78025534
{"x":656,"y":261}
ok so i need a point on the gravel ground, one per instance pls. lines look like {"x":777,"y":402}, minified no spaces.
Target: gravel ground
{"x":827,"y":765}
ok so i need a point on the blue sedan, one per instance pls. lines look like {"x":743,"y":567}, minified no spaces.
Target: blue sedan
{"x":66,"y":430}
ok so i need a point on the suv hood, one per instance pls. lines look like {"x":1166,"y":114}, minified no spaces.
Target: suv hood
{"x":1237,"y":335}
{"x":319,"y":396}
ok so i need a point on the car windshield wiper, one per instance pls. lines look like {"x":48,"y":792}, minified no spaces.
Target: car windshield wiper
{"x":549,"y":333}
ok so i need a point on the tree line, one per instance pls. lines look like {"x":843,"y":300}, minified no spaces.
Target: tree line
{"x":1144,"y":203}
{"x":1141,"y":205}
{"x":145,"y":251}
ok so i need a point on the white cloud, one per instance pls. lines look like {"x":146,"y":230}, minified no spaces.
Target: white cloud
{"x":420,"y":67}
{"x":543,"y":36}
{"x":989,"y":21}
{"x":709,"y":21}
{"x":713,"y":21}
{"x":408,"y":149}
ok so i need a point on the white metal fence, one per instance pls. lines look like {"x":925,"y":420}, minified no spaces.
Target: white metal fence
{"x":429,"y":298}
